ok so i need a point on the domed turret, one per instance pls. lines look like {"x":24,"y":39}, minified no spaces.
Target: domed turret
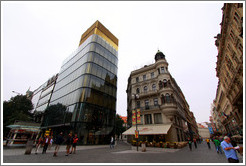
{"x":159,"y":55}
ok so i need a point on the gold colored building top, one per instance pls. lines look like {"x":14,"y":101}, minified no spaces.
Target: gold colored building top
{"x":99,"y":29}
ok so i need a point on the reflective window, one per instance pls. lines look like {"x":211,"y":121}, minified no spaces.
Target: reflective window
{"x":157,"y":118}
{"x":148,"y":119}
{"x":145,"y":88}
{"x":156,"y":102}
{"x":162,"y":70}
{"x":146,"y":104}
{"x":137,"y":91}
{"x":152,"y":75}
{"x":144,"y":77}
{"x":153,"y":87}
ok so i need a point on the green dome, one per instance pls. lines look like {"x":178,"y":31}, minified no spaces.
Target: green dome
{"x":159,"y":55}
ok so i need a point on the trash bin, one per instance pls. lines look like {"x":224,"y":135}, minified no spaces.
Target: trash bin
{"x":143,"y":147}
{"x":29,"y":146}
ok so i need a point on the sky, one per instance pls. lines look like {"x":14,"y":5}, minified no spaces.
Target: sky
{"x":37,"y":36}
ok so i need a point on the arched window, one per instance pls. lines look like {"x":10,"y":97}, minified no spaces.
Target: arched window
{"x":137,"y":91}
{"x":160,"y":85}
{"x":162,"y":99}
{"x":172,"y":99}
{"x":167,"y":96}
{"x":145,"y":89}
{"x":169,"y":82}
{"x":165,"y":83}
{"x":153,"y":87}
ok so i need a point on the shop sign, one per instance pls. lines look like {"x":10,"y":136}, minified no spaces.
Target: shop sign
{"x":136,"y":133}
{"x":133,"y":117}
{"x":138,"y":116}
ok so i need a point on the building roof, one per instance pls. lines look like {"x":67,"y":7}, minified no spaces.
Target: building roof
{"x":99,"y":29}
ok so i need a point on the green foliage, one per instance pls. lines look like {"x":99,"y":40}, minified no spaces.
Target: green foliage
{"x":119,"y":128}
{"x":55,"y":114}
{"x":17,"y":108}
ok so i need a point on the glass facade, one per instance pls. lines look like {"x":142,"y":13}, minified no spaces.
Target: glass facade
{"x":87,"y":85}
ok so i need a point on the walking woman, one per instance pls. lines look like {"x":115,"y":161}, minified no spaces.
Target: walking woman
{"x":208,"y":142}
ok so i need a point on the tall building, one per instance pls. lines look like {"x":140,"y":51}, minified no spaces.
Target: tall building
{"x":41,"y":97}
{"x":229,"y":96}
{"x":87,"y":86}
{"x":164,"y":111}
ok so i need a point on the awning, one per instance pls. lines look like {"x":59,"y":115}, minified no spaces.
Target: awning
{"x":149,"y":129}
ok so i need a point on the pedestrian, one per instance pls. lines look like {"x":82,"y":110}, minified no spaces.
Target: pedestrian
{"x":38,"y":144}
{"x":112,"y":142}
{"x":190,"y":144}
{"x":194,"y":140}
{"x":69,"y":142}
{"x":208,"y":143}
{"x":214,"y":142}
{"x":46,"y":143}
{"x":229,"y":150}
{"x":217,"y":144}
{"x":58,"y":141}
{"x":75,"y":140}
{"x":51,"y":142}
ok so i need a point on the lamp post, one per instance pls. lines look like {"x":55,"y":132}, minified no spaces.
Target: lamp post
{"x":16,"y":92}
{"x":136,"y":96}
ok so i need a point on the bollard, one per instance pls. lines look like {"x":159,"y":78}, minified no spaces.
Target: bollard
{"x":29,"y":146}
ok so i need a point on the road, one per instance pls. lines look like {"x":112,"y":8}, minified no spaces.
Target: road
{"x":122,"y":153}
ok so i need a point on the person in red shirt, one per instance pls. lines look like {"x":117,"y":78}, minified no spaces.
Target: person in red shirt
{"x":75,"y":140}
{"x":38,"y":144}
{"x":194,"y":140}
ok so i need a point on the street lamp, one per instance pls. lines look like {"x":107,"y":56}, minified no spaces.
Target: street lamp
{"x":136,"y":96}
{"x":16,"y":92}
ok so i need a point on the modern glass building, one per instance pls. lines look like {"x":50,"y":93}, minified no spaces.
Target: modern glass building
{"x":87,"y":86}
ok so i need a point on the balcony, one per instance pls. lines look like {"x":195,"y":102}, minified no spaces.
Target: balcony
{"x":148,"y":94}
{"x":150,"y":108}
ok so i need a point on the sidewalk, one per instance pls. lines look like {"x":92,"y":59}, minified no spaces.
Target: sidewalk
{"x":20,"y":151}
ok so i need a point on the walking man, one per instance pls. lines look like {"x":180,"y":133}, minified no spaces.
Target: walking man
{"x":112,"y":142}
{"x":75,"y":140}
{"x":58,"y":141}
{"x":194,"y":140}
{"x":217,"y":145}
{"x":229,"y":150}
{"x":208,"y":143}
{"x":46,"y":143}
{"x":69,"y":143}
{"x":190,"y":144}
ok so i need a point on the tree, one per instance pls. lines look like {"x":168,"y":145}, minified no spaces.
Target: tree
{"x":54,"y":114}
{"x":17,"y":108}
{"x":119,"y":128}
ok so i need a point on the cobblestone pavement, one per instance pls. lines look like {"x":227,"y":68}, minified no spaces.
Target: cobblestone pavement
{"x":122,"y":153}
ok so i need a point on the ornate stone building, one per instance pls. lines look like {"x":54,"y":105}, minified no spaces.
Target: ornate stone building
{"x":229,"y":70}
{"x":164,"y":111}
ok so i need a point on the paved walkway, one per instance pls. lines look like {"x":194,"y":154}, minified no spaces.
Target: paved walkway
{"x":21,"y":150}
{"x":122,"y":153}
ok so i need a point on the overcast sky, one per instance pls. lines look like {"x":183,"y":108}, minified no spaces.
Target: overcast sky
{"x":37,"y":36}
